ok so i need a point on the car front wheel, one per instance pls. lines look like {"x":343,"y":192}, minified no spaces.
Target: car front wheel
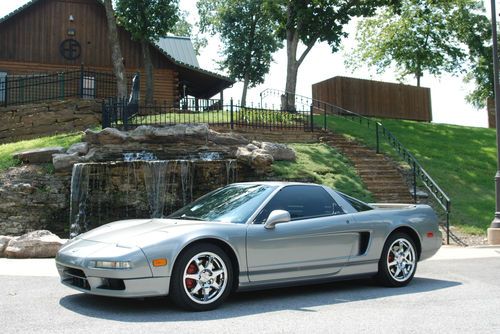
{"x":202,"y":278}
{"x":398,"y":263}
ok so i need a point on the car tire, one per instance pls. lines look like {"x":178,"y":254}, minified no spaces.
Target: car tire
{"x":398,"y":262}
{"x":202,"y":278}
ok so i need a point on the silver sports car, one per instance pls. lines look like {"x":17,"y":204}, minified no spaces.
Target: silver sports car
{"x":251,"y":236}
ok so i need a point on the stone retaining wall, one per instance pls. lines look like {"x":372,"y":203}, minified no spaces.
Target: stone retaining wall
{"x":32,"y":198}
{"x":47,"y":118}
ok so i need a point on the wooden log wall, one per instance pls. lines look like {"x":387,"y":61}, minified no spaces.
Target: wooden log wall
{"x":376,"y":98}
{"x":165,"y":80}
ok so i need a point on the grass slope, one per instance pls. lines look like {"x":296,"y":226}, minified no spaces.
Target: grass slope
{"x":462,"y":160}
{"x":324,"y":165}
{"x":6,"y":150}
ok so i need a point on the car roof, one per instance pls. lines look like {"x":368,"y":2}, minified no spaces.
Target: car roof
{"x":279,"y":183}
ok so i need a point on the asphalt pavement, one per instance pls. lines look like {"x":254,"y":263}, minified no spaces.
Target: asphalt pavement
{"x":457,"y":291}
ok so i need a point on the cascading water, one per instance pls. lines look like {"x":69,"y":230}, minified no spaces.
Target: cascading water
{"x":140,"y":187}
{"x":79,"y":193}
{"x":156,"y":175}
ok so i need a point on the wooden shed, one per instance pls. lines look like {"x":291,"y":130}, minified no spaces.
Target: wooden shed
{"x":376,"y":98}
{"x":48,"y":36}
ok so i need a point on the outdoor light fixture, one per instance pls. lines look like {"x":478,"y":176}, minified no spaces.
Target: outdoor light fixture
{"x":494,"y":230}
{"x":71,"y":32}
{"x":71,"y":18}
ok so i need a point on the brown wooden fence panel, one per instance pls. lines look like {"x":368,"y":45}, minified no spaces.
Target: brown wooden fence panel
{"x":376,"y":98}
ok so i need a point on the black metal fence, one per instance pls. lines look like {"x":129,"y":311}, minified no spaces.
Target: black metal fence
{"x":85,"y":84}
{"x":123,"y":115}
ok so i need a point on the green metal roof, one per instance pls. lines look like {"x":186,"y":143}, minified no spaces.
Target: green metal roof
{"x":180,"y":48}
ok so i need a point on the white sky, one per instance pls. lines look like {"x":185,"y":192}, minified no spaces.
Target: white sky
{"x":447,"y":92}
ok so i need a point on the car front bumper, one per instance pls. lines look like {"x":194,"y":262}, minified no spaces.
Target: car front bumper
{"x":74,"y":264}
{"x":78,"y":279}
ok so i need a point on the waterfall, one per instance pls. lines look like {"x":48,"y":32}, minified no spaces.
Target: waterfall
{"x":186,"y":181}
{"x":140,"y":188}
{"x":230,"y":171}
{"x":78,"y":200}
{"x":155,"y":182}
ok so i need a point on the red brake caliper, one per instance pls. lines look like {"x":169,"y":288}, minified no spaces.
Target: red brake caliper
{"x":192,"y":269}
{"x":391,"y":257}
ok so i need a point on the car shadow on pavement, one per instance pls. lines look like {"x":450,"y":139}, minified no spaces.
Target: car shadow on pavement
{"x":303,"y":298}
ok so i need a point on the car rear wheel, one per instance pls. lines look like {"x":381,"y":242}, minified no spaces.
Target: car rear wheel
{"x":398,"y":262}
{"x":202,"y":278}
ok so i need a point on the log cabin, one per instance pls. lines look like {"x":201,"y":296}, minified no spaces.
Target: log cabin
{"x":54,"y":36}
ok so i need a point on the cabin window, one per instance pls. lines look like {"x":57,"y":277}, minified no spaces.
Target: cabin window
{"x":88,"y":91}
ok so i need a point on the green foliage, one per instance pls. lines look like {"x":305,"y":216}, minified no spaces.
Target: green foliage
{"x":246,"y":31}
{"x":322,"y":164}
{"x":462,"y":160}
{"x":261,"y":116}
{"x":416,"y":37}
{"x":147,"y":20}
{"x":319,"y":20}
{"x":313,"y":21}
{"x":478,"y":38}
{"x":6,"y":150}
{"x":183,"y":28}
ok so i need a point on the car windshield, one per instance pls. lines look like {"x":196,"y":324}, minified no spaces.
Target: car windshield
{"x":234,"y":203}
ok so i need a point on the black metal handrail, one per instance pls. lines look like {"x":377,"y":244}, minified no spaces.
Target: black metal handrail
{"x":418,"y":171}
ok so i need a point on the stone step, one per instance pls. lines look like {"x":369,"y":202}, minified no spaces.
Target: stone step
{"x":379,"y":175}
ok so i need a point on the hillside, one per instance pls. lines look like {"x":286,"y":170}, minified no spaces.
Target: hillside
{"x":462,"y":160}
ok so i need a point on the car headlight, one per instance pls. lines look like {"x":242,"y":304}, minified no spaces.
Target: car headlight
{"x":111,"y":264}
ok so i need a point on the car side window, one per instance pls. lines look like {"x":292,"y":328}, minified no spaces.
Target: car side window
{"x":301,"y":201}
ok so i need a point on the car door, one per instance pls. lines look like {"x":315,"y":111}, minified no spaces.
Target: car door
{"x":316,"y":242}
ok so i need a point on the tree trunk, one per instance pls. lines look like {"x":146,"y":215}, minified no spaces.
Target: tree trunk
{"x":116,"y":53}
{"x":148,"y":68}
{"x":245,"y":88}
{"x":418,"y":80}
{"x":292,"y":66}
{"x":248,"y":61}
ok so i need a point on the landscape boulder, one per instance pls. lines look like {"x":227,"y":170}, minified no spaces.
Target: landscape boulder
{"x":38,"y":156}
{"x":261,"y":159}
{"x":107,"y":136}
{"x":65,"y":162}
{"x":80,"y":148}
{"x":228,"y":139}
{"x":243,"y":155}
{"x":4,"y":241}
{"x":279,"y":151}
{"x":36,"y":244}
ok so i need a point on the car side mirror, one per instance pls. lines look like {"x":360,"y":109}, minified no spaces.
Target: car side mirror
{"x":276,"y":217}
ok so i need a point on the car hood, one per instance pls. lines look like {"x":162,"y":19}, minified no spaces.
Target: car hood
{"x":129,"y":231}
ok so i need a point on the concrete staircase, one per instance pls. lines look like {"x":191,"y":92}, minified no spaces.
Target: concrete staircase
{"x":379,"y":174}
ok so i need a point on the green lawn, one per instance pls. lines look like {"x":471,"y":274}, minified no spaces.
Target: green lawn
{"x":324,"y":165}
{"x":462,"y":160}
{"x":6,"y":150}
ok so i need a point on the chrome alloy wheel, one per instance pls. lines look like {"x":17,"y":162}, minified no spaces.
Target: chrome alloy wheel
{"x":401,"y":260}
{"x":205,"y":278}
